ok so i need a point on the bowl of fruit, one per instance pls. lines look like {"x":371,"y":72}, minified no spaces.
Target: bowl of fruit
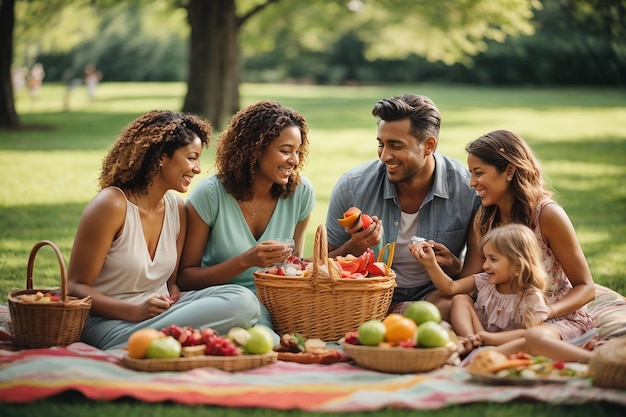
{"x":177,"y":348}
{"x":403,"y":343}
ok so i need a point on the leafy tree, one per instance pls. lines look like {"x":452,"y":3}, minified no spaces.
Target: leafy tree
{"x":445,"y":30}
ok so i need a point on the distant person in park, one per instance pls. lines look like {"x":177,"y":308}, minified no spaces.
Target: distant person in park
{"x":257,"y":195}
{"x":35,"y":80}
{"x":128,"y":244}
{"x":509,"y":181}
{"x":410,"y":190}
{"x":18,"y":78}
{"x":92,"y":78}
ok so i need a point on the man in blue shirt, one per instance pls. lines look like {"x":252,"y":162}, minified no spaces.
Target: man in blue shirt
{"x":409,"y":191}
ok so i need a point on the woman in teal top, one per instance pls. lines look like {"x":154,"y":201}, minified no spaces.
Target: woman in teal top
{"x":256,"y":196}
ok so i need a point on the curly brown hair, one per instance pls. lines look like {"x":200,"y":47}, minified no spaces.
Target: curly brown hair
{"x":249,"y":133}
{"x":133,"y":160}
{"x":499,"y":149}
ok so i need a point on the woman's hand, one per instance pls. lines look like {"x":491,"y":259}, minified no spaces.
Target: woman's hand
{"x":152,"y":307}
{"x":266,"y":253}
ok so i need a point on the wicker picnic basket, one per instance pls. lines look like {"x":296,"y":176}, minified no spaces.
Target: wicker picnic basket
{"x":399,"y":360}
{"x":57,"y":323}
{"x":225,"y":363}
{"x":323,"y":305}
{"x":607,"y":366}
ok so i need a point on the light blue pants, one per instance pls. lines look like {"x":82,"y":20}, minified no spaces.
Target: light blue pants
{"x":220,"y":307}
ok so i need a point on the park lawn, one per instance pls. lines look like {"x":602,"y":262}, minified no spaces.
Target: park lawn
{"x":49,"y":172}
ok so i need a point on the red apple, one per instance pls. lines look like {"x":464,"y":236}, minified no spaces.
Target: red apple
{"x":378,"y":269}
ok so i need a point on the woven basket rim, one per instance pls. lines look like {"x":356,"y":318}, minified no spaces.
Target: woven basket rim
{"x":398,"y":359}
{"x":320,"y":258}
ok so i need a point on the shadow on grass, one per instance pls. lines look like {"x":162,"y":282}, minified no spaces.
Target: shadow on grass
{"x":65,"y":131}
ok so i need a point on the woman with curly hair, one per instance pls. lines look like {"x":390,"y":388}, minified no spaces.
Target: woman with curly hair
{"x":508,"y":180}
{"x":130,"y":237}
{"x":256,"y":195}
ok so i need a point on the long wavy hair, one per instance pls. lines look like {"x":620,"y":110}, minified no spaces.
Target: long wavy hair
{"x":241,"y":145}
{"x":133,"y":160}
{"x":499,"y":149}
{"x":519,"y":245}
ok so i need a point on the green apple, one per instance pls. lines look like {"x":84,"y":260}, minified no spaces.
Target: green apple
{"x":371,"y":332}
{"x":261,"y":340}
{"x":431,"y":334}
{"x":422,"y":311}
{"x":164,"y":348}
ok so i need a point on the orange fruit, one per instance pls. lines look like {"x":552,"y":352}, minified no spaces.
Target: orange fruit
{"x":350,"y":217}
{"x":399,"y":328}
{"x":139,"y":342}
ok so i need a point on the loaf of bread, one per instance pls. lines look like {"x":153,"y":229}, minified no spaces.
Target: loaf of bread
{"x":487,"y":361}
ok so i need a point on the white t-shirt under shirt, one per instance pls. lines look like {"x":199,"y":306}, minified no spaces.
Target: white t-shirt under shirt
{"x":230,"y":234}
{"x":409,"y":271}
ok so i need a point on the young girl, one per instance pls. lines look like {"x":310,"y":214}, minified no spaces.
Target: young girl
{"x":508,"y":180}
{"x":509,"y":293}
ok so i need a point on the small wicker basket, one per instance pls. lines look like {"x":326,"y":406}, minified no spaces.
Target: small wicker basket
{"x":225,"y":363}
{"x":323,"y":305}
{"x":58,"y":323}
{"x":398,"y":360}
{"x":607,"y":366}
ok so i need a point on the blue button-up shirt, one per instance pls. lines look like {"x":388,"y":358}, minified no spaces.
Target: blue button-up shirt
{"x":445,"y":215}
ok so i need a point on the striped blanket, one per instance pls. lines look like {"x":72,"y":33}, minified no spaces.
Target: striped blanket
{"x":38,"y":373}
{"x":28,"y":375}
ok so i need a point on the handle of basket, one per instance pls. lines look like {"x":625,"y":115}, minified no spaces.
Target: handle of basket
{"x":391,"y":247}
{"x":320,"y":255}
{"x":31,"y":263}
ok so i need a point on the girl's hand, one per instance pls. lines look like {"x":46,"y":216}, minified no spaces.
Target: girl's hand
{"x":423,"y":252}
{"x":446,"y":259}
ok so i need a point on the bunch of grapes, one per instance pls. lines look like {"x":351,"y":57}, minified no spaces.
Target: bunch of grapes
{"x":221,"y":346}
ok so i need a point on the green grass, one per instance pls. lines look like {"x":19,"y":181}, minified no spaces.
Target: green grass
{"x":49,"y":173}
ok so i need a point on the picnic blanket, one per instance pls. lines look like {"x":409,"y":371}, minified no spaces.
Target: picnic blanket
{"x":38,"y":373}
{"x":28,"y":375}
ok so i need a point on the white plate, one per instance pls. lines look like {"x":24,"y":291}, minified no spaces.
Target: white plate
{"x":501,"y":380}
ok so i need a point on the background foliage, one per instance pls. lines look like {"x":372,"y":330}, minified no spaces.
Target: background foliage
{"x":136,"y":41}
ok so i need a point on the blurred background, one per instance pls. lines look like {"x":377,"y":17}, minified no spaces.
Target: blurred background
{"x":216,"y":45}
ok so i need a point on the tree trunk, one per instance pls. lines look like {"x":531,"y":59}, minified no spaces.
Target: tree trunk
{"x":8,"y":115}
{"x":214,"y":71}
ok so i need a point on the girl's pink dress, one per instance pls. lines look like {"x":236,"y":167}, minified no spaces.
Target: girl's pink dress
{"x":500,"y":312}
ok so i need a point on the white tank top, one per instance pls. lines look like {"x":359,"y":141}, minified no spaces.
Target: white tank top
{"x":128,"y":272}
